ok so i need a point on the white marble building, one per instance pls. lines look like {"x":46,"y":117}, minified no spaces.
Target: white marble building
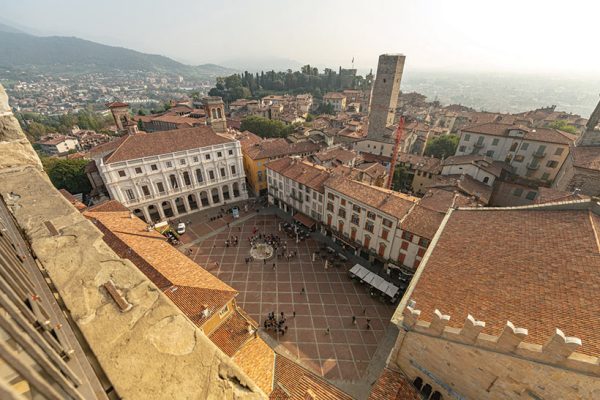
{"x":172,"y":173}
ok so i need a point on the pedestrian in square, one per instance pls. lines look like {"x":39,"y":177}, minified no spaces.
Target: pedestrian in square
{"x":302,"y":291}
{"x":327,"y":331}
{"x":353,"y":320}
{"x":273,"y":266}
{"x":293,"y":314}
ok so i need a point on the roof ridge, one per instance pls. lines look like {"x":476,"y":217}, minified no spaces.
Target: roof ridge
{"x":107,"y":160}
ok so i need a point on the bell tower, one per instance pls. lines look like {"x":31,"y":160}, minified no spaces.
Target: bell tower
{"x":215,"y":113}
{"x":123,"y":121}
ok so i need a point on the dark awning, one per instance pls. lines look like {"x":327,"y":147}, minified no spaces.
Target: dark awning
{"x":305,"y":220}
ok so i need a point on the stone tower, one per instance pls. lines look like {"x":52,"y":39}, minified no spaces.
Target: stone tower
{"x":591,"y":136}
{"x":384,"y":95}
{"x":215,"y":113}
{"x":123,"y":121}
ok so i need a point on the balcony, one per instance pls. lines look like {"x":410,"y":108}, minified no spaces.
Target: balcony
{"x":539,"y":154}
{"x":478,"y":145}
{"x":533,"y":167}
{"x":297,"y":197}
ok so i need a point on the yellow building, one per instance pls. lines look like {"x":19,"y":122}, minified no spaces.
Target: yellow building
{"x":257,"y":152}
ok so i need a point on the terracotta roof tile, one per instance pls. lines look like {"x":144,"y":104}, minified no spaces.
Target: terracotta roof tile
{"x":257,"y":360}
{"x":549,"y":195}
{"x":152,"y":144}
{"x":536,"y":267}
{"x":271,"y":148}
{"x":232,"y":334}
{"x":422,"y":221}
{"x":311,"y":175}
{"x":298,"y":381}
{"x":535,"y":134}
{"x":586,"y":157}
{"x":390,"y":202}
{"x":464,"y":184}
{"x":392,"y":385}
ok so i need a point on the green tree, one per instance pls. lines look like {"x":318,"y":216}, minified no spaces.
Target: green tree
{"x":442,"y":146}
{"x":401,"y":179}
{"x":564,"y":126}
{"x":68,"y":174}
{"x":266,"y":128}
{"x":36,"y":130}
{"x":326,"y":108}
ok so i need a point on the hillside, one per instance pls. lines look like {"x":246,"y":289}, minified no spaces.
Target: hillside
{"x":71,"y":54}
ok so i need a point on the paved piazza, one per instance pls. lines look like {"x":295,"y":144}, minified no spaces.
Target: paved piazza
{"x":330,"y":301}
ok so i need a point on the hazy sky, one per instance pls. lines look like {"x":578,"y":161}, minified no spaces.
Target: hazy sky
{"x":507,"y":35}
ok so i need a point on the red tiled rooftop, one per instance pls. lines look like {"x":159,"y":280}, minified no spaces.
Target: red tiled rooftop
{"x":536,"y":267}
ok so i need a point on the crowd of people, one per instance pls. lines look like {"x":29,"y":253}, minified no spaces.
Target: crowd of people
{"x":276,"y":324}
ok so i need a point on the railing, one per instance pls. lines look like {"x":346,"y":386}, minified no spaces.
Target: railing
{"x":478,"y":145}
{"x":533,"y":167}
{"x":539,"y":154}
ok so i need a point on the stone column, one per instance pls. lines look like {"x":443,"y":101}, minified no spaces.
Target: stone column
{"x":147,"y":214}
{"x":174,"y":208}
{"x":161,"y":212}
{"x":186,"y":203}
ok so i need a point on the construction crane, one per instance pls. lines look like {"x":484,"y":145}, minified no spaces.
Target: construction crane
{"x":399,"y":135}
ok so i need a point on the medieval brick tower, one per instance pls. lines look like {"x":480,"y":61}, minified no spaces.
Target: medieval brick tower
{"x":215,"y":113}
{"x":591,"y":136}
{"x":384,"y":96}
{"x":123,"y":121}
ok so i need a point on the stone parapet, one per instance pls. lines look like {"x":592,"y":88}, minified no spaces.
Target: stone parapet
{"x":558,"y":350}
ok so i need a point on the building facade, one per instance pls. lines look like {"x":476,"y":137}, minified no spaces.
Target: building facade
{"x":336,"y":100}
{"x":535,"y":154}
{"x":384,"y":97}
{"x":172,"y":173}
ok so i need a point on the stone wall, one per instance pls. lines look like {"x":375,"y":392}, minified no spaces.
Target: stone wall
{"x":151,"y":351}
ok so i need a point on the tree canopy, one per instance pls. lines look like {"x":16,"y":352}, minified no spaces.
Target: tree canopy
{"x":442,"y":146}
{"x":564,"y":126}
{"x":68,"y":174}
{"x":307,"y":80}
{"x":266,"y":128}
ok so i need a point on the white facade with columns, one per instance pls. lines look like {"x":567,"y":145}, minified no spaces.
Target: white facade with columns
{"x":173,"y":184}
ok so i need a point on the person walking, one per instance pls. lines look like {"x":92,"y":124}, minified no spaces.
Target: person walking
{"x":302,"y":291}
{"x":368,"y":324}
{"x":294,"y":313}
{"x":327,"y":331}
{"x":353,"y":320}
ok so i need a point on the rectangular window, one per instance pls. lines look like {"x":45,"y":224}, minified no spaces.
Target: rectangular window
{"x":371,"y":215}
{"x":407,"y":236}
{"x":122,"y":174}
{"x":467,"y":137}
{"x":343,"y":202}
{"x":330,"y":196}
{"x":559,"y":151}
{"x":342,"y":213}
{"x":552,"y":164}
{"x":404,"y":245}
{"x":384,"y":234}
{"x":260,"y":176}
{"x":545,"y":176}
{"x":489,"y":153}
{"x":356,"y":208}
{"x":423,"y":242}
{"x":182,"y":161}
{"x":369,"y":226}
{"x":524,"y":146}
{"x":518,"y":192}
{"x":233,"y":170}
{"x":329,"y":205}
{"x":169,"y":164}
{"x":530,"y":195}
{"x":160,"y":187}
{"x":195,"y":159}
{"x":355,"y":219}
{"x":519,"y":158}
{"x":219,"y":154}
{"x":230,"y":152}
{"x":207,"y":156}
{"x":138,"y":170}
{"x":495,"y":142}
{"x":211,"y":174}
{"x":146,"y":190}
{"x":387,"y":222}
{"x":462,"y":149}
{"x":130,"y":194}
{"x":154,"y":167}
{"x":223,"y":173}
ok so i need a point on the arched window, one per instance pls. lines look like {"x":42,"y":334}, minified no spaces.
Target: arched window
{"x":486,"y":179}
{"x":426,"y":391}
{"x":186,"y":178}
{"x":436,"y":396}
{"x":199,"y":176}
{"x":418,"y":382}
{"x":219,"y":113}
